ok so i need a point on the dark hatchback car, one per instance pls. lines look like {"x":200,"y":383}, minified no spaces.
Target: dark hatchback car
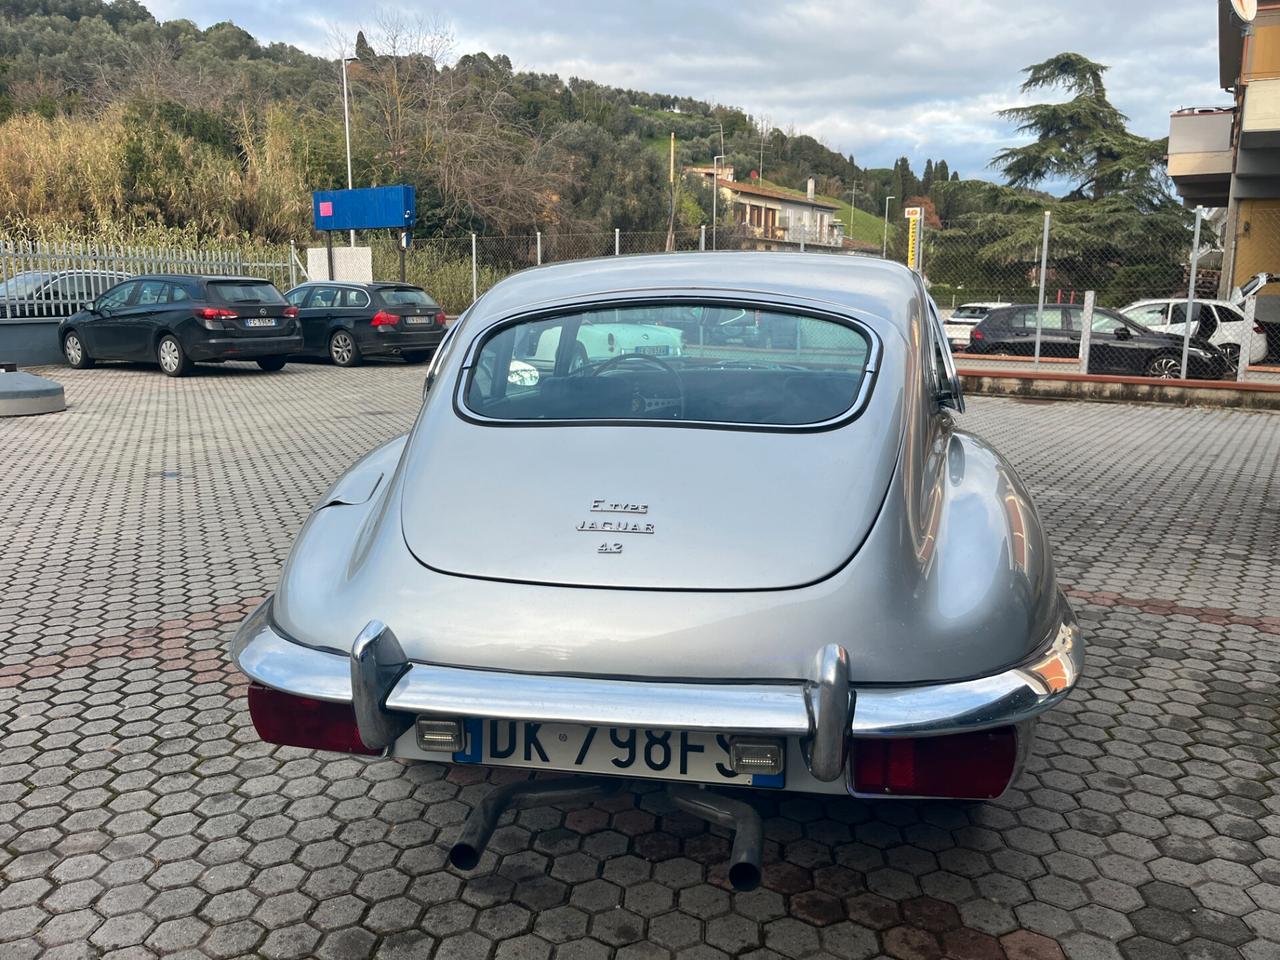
{"x":1117,"y":345}
{"x":348,"y":322}
{"x":176,"y":321}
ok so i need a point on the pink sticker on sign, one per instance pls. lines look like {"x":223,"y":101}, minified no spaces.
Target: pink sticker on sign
{"x":326,"y":208}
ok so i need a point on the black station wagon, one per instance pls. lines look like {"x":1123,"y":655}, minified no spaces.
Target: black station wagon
{"x":348,"y":322}
{"x":176,"y":321}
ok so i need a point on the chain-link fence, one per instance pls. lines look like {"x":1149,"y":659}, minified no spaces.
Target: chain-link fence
{"x":1028,"y":294}
{"x":1019,"y":293}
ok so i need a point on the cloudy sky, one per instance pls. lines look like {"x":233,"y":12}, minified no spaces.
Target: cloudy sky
{"x":877,"y":79}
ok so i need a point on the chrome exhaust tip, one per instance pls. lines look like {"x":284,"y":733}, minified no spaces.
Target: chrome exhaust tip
{"x":736,"y":815}
{"x":478,"y":828}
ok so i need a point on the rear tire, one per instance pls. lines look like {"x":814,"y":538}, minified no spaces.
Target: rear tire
{"x":73,"y":349}
{"x":343,"y":349}
{"x":173,"y":360}
{"x":1165,"y":367}
{"x":271,"y":364}
{"x":416,"y":356}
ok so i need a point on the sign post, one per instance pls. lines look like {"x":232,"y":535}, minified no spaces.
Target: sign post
{"x":406,"y":238}
{"x":1191,"y":294}
{"x":913,"y":217}
{"x":1086,"y":328}
{"x":371,"y":208}
{"x":1250,"y":318}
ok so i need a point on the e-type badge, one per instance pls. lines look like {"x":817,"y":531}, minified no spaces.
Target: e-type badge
{"x":622,"y":524}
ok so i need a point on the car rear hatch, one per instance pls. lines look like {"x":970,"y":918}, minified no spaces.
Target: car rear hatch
{"x":416,"y":312}
{"x":645,"y":507}
{"x":259,"y":309}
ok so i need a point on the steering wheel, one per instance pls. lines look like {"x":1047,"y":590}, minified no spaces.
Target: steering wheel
{"x":641,"y":403}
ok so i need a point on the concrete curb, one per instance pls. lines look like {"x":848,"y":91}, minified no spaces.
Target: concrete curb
{"x":1074,"y":386}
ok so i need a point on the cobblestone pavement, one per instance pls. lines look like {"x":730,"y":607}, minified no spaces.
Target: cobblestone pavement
{"x":140,"y":816}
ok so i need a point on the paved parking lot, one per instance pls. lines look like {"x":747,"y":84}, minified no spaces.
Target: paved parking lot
{"x":140,"y":816}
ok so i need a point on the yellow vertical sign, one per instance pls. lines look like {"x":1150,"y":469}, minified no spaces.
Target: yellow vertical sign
{"x":913,"y":215}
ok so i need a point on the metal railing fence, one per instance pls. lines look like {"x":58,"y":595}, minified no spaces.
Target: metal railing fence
{"x":46,"y":280}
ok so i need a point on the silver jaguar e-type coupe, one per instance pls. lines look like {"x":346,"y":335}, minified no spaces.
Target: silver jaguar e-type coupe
{"x":619,"y":544}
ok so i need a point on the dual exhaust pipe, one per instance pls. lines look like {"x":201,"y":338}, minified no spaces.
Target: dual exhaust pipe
{"x":735,"y":815}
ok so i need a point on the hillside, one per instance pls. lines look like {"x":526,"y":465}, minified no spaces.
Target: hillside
{"x":111,"y":117}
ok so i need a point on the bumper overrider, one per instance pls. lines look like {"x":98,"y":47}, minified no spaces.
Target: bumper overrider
{"x":871,"y":740}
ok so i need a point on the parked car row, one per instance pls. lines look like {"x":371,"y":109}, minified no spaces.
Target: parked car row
{"x":1145,"y":338}
{"x":179,"y":320}
{"x":1118,"y":345}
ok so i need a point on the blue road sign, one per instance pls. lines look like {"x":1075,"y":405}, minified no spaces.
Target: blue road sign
{"x":370,"y":208}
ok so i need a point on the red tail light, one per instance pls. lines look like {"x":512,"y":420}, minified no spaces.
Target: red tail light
{"x":965,"y":765}
{"x":215,"y":318}
{"x":441,"y":318}
{"x":1259,"y":328}
{"x":977,"y":335}
{"x":290,"y":312}
{"x":384,"y":319}
{"x":303,"y":722}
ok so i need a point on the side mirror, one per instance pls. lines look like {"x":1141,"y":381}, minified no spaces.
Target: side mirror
{"x":1122,"y":333}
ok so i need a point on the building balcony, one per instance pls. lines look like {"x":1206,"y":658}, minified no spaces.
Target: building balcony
{"x":1200,"y":155}
{"x":1260,"y":119}
{"x":1258,"y":163}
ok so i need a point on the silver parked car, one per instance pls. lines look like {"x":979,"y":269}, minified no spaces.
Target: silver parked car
{"x":778,"y":568}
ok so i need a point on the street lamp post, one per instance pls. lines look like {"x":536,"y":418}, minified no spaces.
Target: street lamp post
{"x":715,"y":195}
{"x":884,"y":250}
{"x":346,"y":126}
{"x":853,"y":200}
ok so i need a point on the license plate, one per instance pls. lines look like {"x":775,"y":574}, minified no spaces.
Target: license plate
{"x":417,"y":319}
{"x":260,"y":322}
{"x":650,"y":350}
{"x":621,"y":751}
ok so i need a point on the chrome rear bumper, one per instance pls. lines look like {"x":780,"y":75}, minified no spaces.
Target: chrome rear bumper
{"x":387,"y":690}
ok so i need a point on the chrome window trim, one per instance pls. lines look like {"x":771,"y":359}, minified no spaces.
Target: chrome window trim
{"x":875,"y":350}
{"x":948,"y":389}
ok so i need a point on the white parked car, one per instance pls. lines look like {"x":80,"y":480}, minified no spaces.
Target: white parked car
{"x":964,"y":318}
{"x":600,"y":337}
{"x":1218,"y":321}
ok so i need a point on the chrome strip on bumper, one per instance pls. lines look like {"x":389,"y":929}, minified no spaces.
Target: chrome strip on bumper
{"x":776,"y":709}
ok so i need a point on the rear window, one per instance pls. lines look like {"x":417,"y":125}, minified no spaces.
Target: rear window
{"x":711,"y":363}
{"x":405,"y":297}
{"x":234,"y":291}
{"x":970,"y":312}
